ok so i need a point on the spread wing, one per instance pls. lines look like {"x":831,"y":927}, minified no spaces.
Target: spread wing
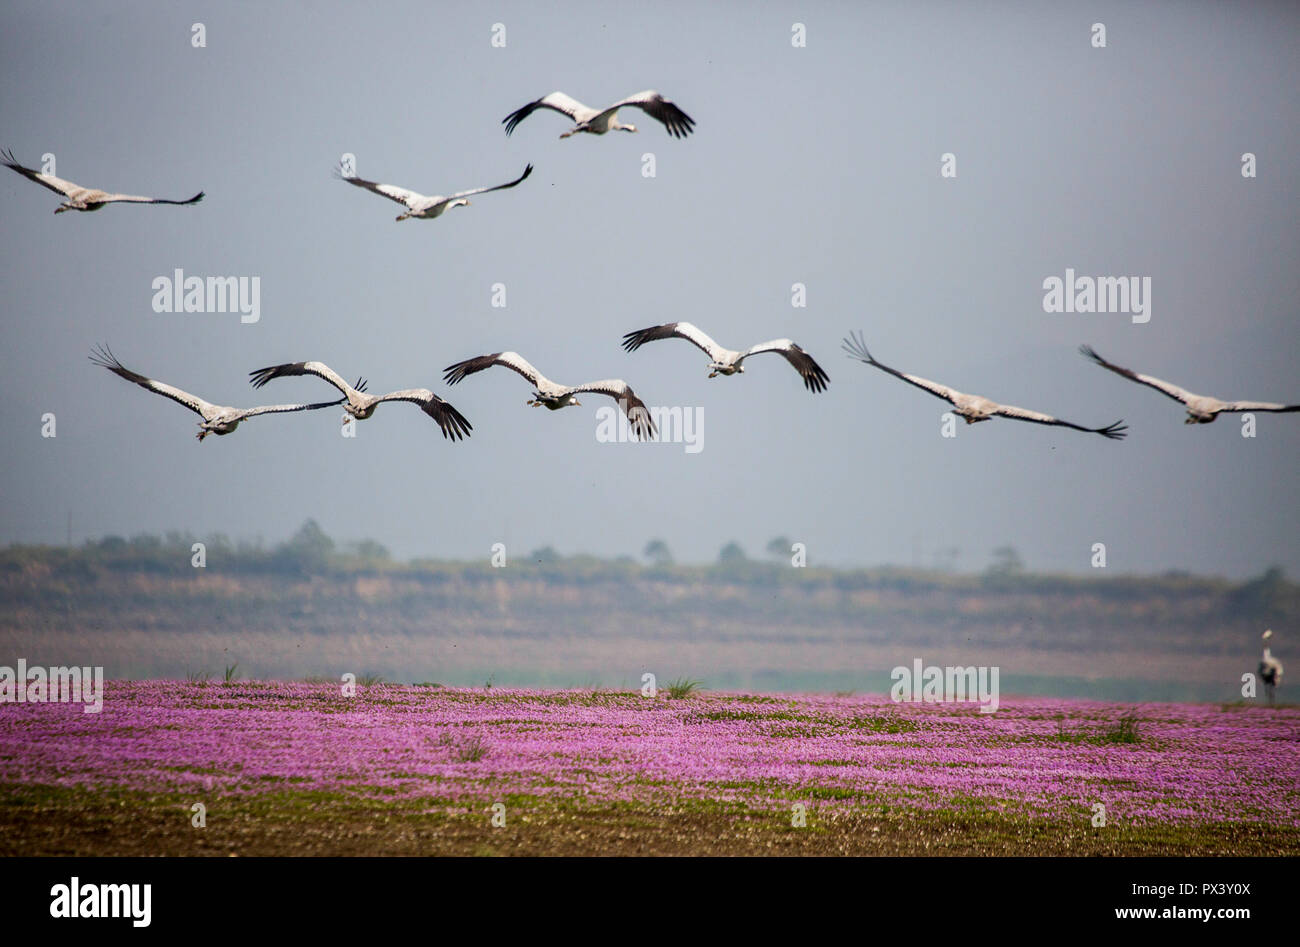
{"x":1115,"y":431}
{"x":453,"y":424}
{"x":67,"y":188}
{"x":674,"y":330}
{"x":391,"y":191}
{"x":483,"y":190}
{"x":556,"y":101}
{"x":261,"y":376}
{"x":285,"y":408}
{"x":1260,"y":406}
{"x":814,"y":378}
{"x":633,"y":407}
{"x":857,"y":348}
{"x":105,"y":359}
{"x":136,"y":199}
{"x":453,"y":374}
{"x":57,"y":185}
{"x":1173,"y":391}
{"x":678,"y":123}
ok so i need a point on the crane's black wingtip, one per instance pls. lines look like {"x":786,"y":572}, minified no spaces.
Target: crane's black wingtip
{"x":1115,"y":432}
{"x":855,"y":345}
{"x":102,"y":351}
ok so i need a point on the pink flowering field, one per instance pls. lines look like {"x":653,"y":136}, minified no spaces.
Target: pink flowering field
{"x":450,"y":751}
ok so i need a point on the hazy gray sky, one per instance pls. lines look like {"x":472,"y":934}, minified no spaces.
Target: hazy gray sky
{"x":817,"y":165}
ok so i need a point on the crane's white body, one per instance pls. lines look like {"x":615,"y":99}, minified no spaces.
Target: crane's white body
{"x":360,"y":406}
{"x":1201,"y":409}
{"x":217,"y":419}
{"x":422,"y":207}
{"x":1270,"y":668}
{"x":554,"y":396}
{"x":724,"y":361}
{"x":85,"y":199}
{"x":587,"y":120}
{"x":976,"y":408}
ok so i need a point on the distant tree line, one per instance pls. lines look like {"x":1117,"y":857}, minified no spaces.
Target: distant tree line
{"x":310,"y":551}
{"x":307,"y":551}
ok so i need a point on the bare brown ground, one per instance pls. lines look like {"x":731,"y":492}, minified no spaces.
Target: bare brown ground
{"x":47,"y":821}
